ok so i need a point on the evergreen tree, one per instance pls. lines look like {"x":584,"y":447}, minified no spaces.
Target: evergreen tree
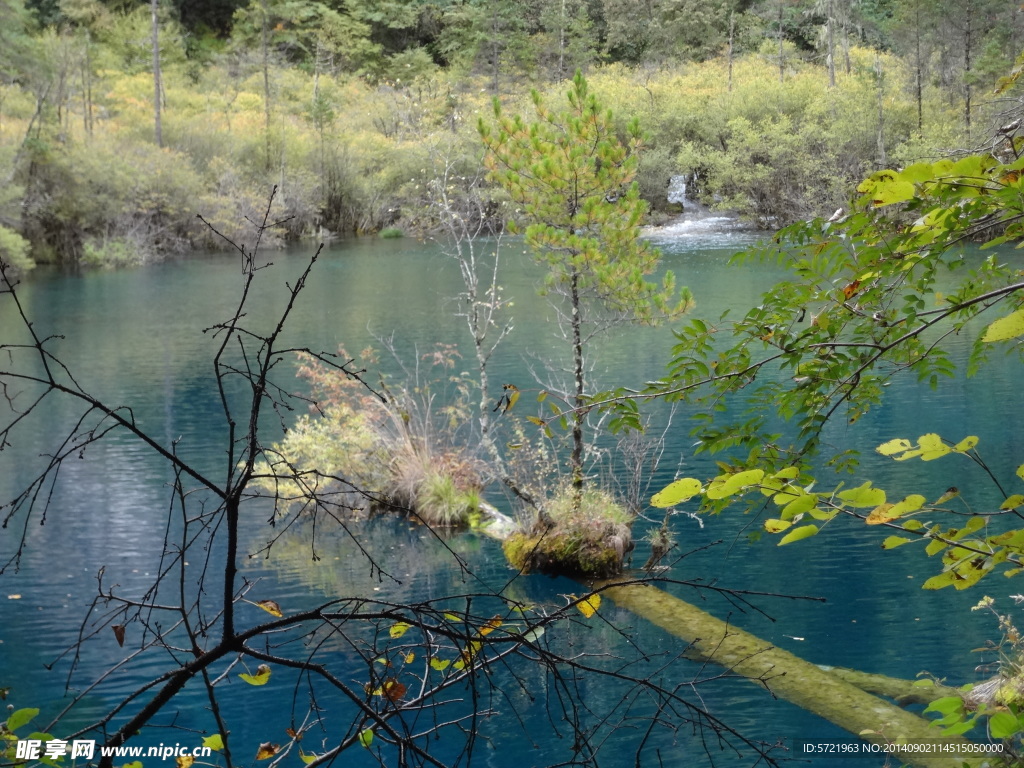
{"x":573,"y":180}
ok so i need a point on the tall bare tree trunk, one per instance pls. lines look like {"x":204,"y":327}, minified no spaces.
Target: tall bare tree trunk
{"x":154,"y":7}
{"x":782,"y":60}
{"x":732,"y":34}
{"x":830,"y":22}
{"x":968,"y":33}
{"x":265,"y":45}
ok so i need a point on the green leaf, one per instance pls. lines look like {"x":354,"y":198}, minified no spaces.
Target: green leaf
{"x":730,"y":484}
{"x":863,"y":496}
{"x":938,"y":582}
{"x":366,"y":737}
{"x":798,"y":506}
{"x":307,"y":759}
{"x":214,"y":742}
{"x":1013,"y":502}
{"x":399,"y":629}
{"x":803,"y":532}
{"x":1005,"y":328}
{"x":947,"y":705}
{"x":932,"y":447}
{"x":891,"y":542}
{"x":899,"y":445}
{"x":776,"y":526}
{"x":1020,"y":471}
{"x":1003,"y":725}
{"x":966,"y":444}
{"x":676,"y":492}
{"x":20,"y":717}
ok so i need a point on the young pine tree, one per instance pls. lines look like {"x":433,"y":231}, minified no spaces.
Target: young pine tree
{"x":573,"y":182}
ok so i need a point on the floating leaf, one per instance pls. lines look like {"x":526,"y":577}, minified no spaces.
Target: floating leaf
{"x":1005,"y":328}
{"x":118,"y":633}
{"x":439,"y":664}
{"x":20,"y":717}
{"x":776,"y":526}
{"x":589,"y":606}
{"x":270,"y":607}
{"x":214,"y":742}
{"x":803,"y":532}
{"x":267,"y":750}
{"x":676,"y":492}
{"x":184,"y":761}
{"x":366,"y":737}
{"x":260,"y":678}
{"x":399,"y":629}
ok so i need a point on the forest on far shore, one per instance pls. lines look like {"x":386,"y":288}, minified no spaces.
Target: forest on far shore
{"x":121,"y":120}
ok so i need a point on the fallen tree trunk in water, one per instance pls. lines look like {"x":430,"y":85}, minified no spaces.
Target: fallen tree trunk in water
{"x":787,"y":676}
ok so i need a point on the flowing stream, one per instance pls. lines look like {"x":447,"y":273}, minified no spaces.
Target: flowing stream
{"x":134,"y":337}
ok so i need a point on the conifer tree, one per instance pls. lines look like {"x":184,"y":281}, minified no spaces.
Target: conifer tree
{"x":573,"y":181}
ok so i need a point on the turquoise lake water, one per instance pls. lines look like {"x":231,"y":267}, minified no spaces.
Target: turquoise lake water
{"x":135,"y":337}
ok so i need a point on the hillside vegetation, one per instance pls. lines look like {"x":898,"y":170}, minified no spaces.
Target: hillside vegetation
{"x":353,"y":109}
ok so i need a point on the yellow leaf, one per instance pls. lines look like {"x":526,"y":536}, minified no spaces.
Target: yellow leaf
{"x":589,"y":606}
{"x":214,"y":742}
{"x":1005,"y":328}
{"x":270,"y":607}
{"x":951,"y":493}
{"x":307,"y":759}
{"x":803,"y":532}
{"x":399,"y":629}
{"x":676,"y":492}
{"x":439,"y":664}
{"x":490,"y":626}
{"x":776,"y":526}
{"x":184,"y":761}
{"x":409,"y":658}
{"x":260,"y":678}
{"x":267,"y":750}
{"x":899,"y":445}
{"x":966,"y":444}
{"x":880,"y":514}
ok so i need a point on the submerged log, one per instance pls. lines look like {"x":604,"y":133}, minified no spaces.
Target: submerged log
{"x":789,"y":677}
{"x":903,"y":692}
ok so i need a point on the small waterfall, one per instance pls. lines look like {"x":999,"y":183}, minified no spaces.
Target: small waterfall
{"x":696,"y":219}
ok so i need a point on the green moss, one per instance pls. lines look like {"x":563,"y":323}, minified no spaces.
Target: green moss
{"x":565,"y":554}
{"x":391,"y":233}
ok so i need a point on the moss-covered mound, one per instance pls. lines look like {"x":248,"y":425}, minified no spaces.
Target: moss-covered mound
{"x":582,"y":536}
